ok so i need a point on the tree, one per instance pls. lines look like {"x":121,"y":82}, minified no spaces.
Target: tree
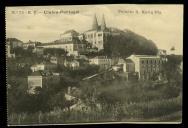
{"x":172,"y":49}
{"x":128,"y":43}
{"x":171,"y":70}
{"x":57,"y":100}
{"x":55,"y":51}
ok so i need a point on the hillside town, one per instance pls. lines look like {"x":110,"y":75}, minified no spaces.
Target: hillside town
{"x":79,"y":55}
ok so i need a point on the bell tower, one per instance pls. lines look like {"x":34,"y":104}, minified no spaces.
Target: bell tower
{"x":103,"y":23}
{"x":95,"y":23}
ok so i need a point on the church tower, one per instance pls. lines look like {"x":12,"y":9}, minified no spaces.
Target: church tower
{"x":95,"y":23}
{"x":103,"y":24}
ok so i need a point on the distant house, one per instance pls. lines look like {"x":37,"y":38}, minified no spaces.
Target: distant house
{"x":9,"y":52}
{"x":162,"y":53}
{"x":57,"y":60}
{"x":102,"y":61}
{"x":38,"y":50}
{"x":13,"y":43}
{"x":145,"y":65}
{"x":73,"y":64}
{"x":34,"y":81}
{"x":29,"y":44}
{"x":37,"y":67}
{"x":32,"y":44}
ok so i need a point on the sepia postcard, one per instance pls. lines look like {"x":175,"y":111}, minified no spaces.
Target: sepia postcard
{"x":94,"y":64}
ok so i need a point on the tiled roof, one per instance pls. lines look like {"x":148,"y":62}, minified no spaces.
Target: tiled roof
{"x":36,"y":73}
{"x":59,"y":42}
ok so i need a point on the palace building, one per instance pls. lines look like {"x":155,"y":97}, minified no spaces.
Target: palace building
{"x":97,"y":35}
{"x":69,"y":42}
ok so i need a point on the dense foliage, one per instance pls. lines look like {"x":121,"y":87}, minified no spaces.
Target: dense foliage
{"x":54,"y":51}
{"x":128,"y":43}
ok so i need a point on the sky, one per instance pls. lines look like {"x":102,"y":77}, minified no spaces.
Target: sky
{"x":163,"y":24}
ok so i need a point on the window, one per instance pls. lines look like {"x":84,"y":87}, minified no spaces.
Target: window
{"x":99,"y":42}
{"x":153,"y":62}
{"x":99,"y":35}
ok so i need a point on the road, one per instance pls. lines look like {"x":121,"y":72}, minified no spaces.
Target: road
{"x":97,"y":74}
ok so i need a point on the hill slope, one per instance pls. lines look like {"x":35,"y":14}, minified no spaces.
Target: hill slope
{"x":127,"y":43}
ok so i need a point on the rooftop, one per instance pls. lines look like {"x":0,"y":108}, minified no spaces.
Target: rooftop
{"x":145,"y":56}
{"x":36,"y":73}
{"x":13,"y":39}
{"x":73,"y":32}
{"x":100,"y":57}
{"x":59,"y":42}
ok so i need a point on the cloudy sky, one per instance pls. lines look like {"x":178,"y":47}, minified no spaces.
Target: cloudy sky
{"x":161,"y":23}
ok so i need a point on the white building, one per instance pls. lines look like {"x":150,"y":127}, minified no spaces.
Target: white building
{"x":37,"y":67}
{"x":13,"y":42}
{"x":29,"y":44}
{"x":34,"y":81}
{"x":74,"y":47}
{"x":102,"y":61}
{"x":8,"y":52}
{"x":146,"y":65}
{"x":73,"y":64}
{"x":97,"y":35}
{"x":69,"y":35}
